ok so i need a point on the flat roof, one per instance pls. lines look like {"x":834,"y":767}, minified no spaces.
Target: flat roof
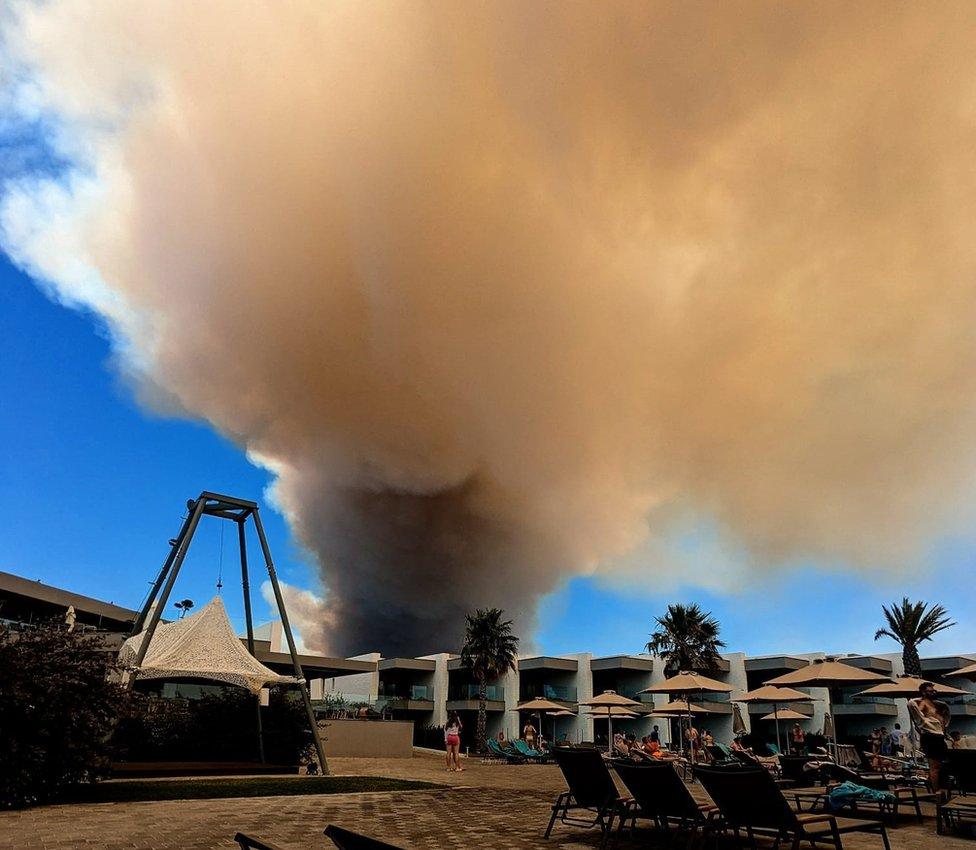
{"x":547,"y":662}
{"x":319,"y":666}
{"x":867,"y":662}
{"x":424,"y":664}
{"x":9,"y":583}
{"x":623,"y":662}
{"x":774,"y":662}
{"x":947,"y":662}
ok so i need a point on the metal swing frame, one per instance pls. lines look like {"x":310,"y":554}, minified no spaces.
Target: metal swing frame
{"x":238,"y":511}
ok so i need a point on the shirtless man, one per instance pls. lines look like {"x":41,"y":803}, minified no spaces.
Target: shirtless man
{"x":930,"y":718}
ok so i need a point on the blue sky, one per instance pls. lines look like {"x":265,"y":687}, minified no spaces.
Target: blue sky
{"x":92,"y":486}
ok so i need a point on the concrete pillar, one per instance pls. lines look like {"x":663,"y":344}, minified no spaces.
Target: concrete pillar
{"x":511,"y":722}
{"x":440,"y":681}
{"x":584,"y":692}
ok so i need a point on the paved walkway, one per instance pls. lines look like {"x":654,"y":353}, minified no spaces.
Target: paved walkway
{"x":493,"y":806}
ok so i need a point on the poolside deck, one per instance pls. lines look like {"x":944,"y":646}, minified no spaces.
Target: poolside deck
{"x":494,"y":806}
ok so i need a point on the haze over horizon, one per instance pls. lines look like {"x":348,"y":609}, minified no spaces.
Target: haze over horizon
{"x":519,"y":306}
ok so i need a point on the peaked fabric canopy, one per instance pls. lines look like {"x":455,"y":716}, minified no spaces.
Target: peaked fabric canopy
{"x":611,"y":698}
{"x":770,"y":693}
{"x":611,"y":711}
{"x":201,"y":646}
{"x":968,"y":672}
{"x":682,"y":707}
{"x":539,"y":704}
{"x":785,"y":714}
{"x":824,"y":674}
{"x":907,"y":686}
{"x":688,"y":682}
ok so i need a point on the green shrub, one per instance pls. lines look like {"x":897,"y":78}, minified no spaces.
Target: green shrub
{"x":57,"y":708}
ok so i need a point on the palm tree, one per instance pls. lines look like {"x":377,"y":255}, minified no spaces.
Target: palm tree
{"x":687,"y":638}
{"x":489,"y":650}
{"x":910,"y":623}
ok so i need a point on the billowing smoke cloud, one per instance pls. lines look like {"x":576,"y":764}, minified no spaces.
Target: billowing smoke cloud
{"x":504,"y":292}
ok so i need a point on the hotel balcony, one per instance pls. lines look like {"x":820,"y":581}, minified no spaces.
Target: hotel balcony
{"x":407,"y":684}
{"x":546,"y":690}
{"x":868,"y":662}
{"x":945,"y":664}
{"x":963,"y":707}
{"x":465,"y":698}
{"x":850,"y":705}
{"x":761,"y":670}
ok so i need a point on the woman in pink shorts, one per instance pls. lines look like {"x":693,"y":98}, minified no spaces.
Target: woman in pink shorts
{"x":452,"y":741}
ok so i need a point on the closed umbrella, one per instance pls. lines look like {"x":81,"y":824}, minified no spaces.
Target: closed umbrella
{"x":738,"y":724}
{"x":829,"y":731}
{"x":774,"y":695}
{"x":604,"y":705}
{"x":827,"y":673}
{"x":685,"y":684}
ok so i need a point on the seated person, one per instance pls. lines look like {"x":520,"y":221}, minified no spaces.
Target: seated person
{"x":769,"y":762}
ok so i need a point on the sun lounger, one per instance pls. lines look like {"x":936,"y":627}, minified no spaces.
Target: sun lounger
{"x":591,"y":789}
{"x":769,"y":763}
{"x":510,"y":755}
{"x":246,"y":842}
{"x":346,"y":840}
{"x":903,"y":792}
{"x":960,"y":809}
{"x":751,"y":802}
{"x":660,"y":795}
{"x":528,"y":752}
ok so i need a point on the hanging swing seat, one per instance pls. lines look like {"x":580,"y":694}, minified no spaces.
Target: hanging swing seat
{"x":200,"y":646}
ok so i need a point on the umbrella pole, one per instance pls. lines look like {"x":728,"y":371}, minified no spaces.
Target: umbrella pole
{"x":776,"y":719}
{"x":609,"y":733}
{"x":833,"y":722}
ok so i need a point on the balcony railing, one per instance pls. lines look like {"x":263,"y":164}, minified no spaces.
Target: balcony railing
{"x":532,"y":690}
{"x":495,"y":693}
{"x":411,"y":692}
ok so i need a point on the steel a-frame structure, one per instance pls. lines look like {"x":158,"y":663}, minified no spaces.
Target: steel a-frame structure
{"x":238,"y":511}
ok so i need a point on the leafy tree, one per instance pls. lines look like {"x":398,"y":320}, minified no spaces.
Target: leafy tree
{"x":687,"y":639}
{"x":489,"y":650}
{"x":184,"y":605}
{"x":910,"y":623}
{"x":57,"y":708}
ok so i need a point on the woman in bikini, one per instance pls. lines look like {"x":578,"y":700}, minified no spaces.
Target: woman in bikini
{"x":452,"y":742}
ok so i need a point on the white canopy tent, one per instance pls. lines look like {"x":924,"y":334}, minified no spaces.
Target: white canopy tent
{"x":200,"y":646}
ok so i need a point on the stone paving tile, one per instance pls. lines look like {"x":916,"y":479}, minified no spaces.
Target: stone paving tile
{"x":497,"y":806}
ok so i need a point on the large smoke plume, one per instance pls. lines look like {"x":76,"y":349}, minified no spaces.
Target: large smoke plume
{"x":503,"y":292}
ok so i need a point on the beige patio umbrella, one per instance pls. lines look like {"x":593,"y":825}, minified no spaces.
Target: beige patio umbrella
{"x":905,"y":687}
{"x":554,"y":714}
{"x":968,"y":672}
{"x":784,"y":714}
{"x":774,"y":695}
{"x":827,"y":673}
{"x":682,"y":706}
{"x":685,"y":684}
{"x":604,"y":705}
{"x":538,"y":706}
